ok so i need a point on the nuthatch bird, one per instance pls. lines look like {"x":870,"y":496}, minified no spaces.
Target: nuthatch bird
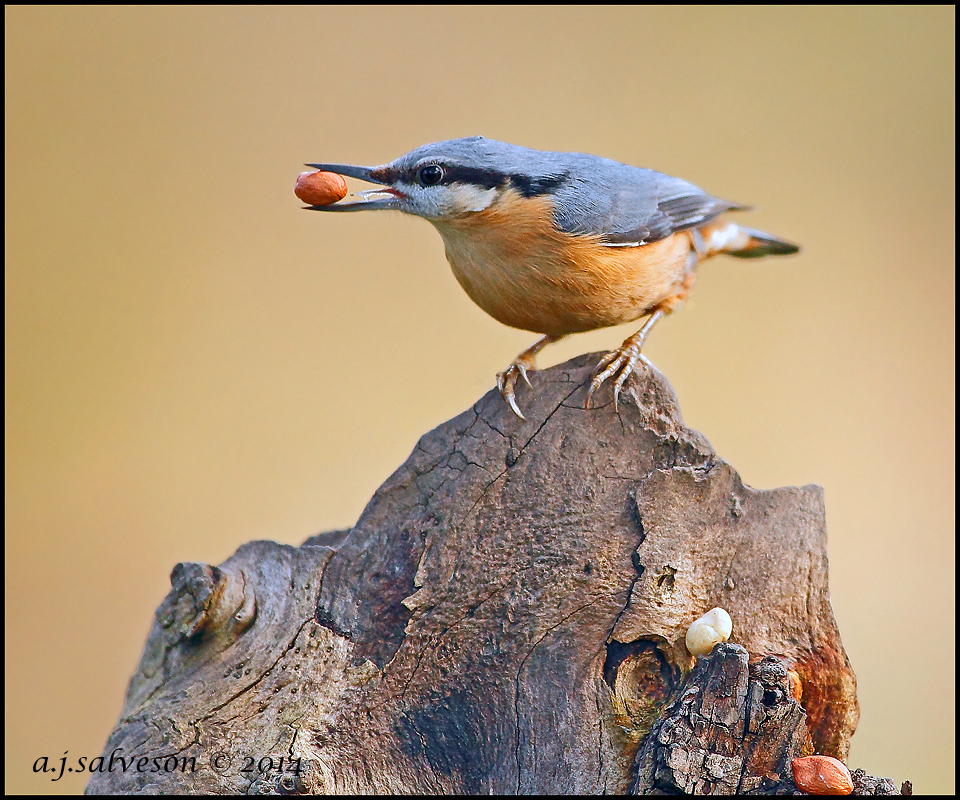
{"x":560,"y":243}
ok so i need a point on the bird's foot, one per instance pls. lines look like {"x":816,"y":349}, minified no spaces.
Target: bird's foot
{"x":524,"y":362}
{"x":620,"y":362}
{"x":507,"y":380}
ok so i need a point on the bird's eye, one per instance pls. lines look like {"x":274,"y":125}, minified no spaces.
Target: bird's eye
{"x":430,"y":175}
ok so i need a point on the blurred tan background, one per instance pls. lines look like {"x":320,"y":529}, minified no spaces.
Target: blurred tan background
{"x":193,"y":362}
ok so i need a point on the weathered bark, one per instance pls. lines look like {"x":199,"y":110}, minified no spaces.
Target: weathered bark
{"x":734,"y":728}
{"x":508,"y":614}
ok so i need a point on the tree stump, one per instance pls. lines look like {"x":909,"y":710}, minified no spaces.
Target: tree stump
{"x":507,"y":616}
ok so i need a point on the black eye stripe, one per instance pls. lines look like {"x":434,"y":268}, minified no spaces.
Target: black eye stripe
{"x":531,"y":187}
{"x":484,"y":178}
{"x":527,"y":185}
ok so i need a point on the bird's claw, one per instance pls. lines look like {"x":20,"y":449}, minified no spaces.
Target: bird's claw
{"x":507,"y":380}
{"x":620,"y":362}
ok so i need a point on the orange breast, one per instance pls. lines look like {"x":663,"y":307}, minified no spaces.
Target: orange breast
{"x":518,"y":267}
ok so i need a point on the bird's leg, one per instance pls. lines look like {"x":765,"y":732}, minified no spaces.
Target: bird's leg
{"x":507,"y":379}
{"x":621,"y":361}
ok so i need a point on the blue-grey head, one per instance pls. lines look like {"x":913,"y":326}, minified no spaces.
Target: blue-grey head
{"x":455,"y":177}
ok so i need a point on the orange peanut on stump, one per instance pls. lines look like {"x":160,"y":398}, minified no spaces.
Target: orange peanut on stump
{"x":320,"y":188}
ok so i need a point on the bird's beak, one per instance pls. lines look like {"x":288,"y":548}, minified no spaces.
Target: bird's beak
{"x":372,"y":199}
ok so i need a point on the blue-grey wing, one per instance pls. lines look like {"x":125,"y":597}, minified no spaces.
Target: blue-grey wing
{"x":629,"y":206}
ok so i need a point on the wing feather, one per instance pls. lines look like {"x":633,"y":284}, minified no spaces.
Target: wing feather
{"x":631,"y":206}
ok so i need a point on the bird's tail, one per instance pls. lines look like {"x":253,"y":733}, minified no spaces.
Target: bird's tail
{"x":727,"y":237}
{"x":761,"y":244}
